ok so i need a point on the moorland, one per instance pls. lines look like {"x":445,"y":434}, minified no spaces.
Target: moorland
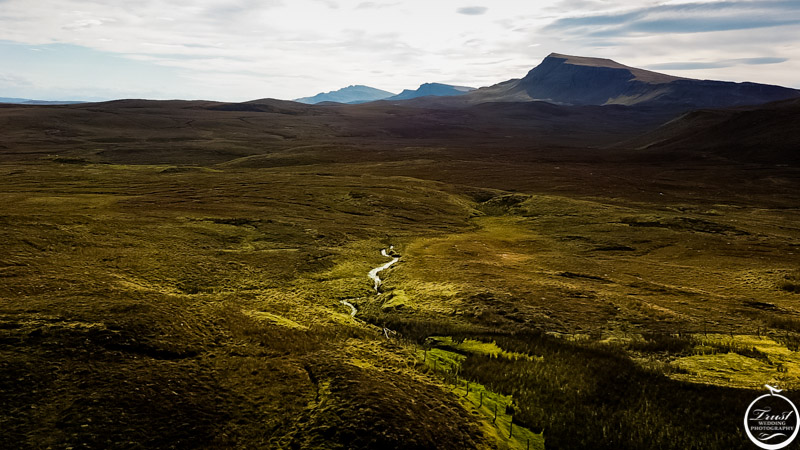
{"x":580,"y":276}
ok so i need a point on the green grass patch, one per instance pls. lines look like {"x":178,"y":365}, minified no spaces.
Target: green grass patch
{"x":495,"y":411}
{"x":740,"y":361}
{"x":476,"y":347}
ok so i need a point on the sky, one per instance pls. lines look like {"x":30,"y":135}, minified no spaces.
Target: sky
{"x":238,"y":50}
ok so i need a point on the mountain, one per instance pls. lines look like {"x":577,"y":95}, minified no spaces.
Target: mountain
{"x":350,"y":94}
{"x":432,"y":89}
{"x":27,"y":101}
{"x":52,"y":102}
{"x":13,"y":100}
{"x":576,"y":80}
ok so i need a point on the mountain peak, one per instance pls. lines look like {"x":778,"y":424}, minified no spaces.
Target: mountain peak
{"x":580,"y":80}
{"x":432,"y":89}
{"x":355,"y":93}
{"x":642,"y":75}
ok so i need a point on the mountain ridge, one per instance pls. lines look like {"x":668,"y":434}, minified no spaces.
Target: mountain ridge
{"x":578,"y":80}
{"x":432,"y":89}
{"x":357,"y":93}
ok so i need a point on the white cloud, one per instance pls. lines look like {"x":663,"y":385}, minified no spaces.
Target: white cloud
{"x":472,"y":10}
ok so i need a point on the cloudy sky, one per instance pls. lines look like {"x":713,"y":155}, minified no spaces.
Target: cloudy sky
{"x":235,"y":50}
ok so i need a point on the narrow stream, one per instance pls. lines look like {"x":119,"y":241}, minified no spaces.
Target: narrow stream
{"x":374,"y":272}
{"x":353,"y":309}
{"x":373,"y":275}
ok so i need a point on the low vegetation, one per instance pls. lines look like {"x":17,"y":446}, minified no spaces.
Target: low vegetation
{"x":543,"y":299}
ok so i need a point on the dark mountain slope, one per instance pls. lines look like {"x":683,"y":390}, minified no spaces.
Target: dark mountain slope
{"x":575,"y":80}
{"x":765,"y":134}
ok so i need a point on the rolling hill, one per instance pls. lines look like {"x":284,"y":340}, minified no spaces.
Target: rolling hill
{"x":765,"y":133}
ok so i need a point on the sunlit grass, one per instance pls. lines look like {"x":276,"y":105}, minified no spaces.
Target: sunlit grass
{"x":743,"y":361}
{"x":493,"y":408}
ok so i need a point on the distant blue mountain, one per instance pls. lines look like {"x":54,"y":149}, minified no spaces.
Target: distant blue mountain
{"x":13,"y":100}
{"x":434,"y":89}
{"x":27,"y":101}
{"x":350,"y":94}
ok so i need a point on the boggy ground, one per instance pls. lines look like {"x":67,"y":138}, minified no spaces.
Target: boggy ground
{"x":602,"y":298}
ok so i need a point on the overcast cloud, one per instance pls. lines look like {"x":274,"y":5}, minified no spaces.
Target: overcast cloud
{"x":247,"y":49}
